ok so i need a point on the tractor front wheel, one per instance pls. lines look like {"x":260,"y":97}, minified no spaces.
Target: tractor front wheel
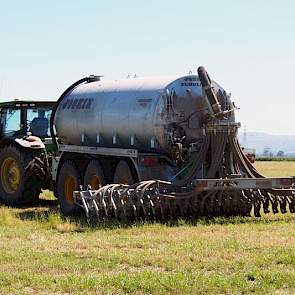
{"x":22,"y":175}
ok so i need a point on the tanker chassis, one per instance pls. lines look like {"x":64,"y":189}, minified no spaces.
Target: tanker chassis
{"x":156,"y":148}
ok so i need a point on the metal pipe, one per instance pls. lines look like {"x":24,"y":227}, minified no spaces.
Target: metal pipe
{"x":209,"y":91}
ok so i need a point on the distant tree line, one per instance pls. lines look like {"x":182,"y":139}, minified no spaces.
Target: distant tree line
{"x":268,"y":155}
{"x":275,"y":159}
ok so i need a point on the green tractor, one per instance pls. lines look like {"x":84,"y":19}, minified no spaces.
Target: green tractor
{"x":24,"y":143}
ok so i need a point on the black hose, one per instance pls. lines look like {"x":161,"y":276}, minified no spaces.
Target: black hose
{"x":66,"y":92}
{"x":218,"y":152}
{"x":197,"y":160}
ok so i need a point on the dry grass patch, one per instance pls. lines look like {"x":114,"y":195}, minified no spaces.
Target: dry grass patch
{"x":7,"y":216}
{"x":276,"y":168}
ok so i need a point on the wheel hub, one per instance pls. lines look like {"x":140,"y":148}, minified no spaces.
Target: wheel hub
{"x":70,"y":186}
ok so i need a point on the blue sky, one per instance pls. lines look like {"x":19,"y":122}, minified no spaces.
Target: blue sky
{"x":247,"y":46}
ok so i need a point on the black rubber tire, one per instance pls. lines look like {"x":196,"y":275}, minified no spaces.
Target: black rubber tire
{"x":67,"y":204}
{"x":32,"y":175}
{"x":123,"y":174}
{"x":94,"y":170}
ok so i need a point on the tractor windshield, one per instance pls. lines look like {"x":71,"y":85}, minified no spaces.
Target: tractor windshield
{"x":19,"y":121}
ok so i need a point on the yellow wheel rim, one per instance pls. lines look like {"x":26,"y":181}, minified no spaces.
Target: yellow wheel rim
{"x":10,"y":175}
{"x":70,"y":186}
{"x":124,"y":179}
{"x":95,"y":182}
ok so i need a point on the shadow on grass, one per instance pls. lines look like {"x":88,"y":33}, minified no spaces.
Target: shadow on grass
{"x":50,"y":211}
{"x":46,"y":210}
{"x":35,"y":214}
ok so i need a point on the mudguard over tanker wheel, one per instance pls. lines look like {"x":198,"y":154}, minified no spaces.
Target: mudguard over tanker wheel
{"x":22,"y":175}
{"x":68,"y":181}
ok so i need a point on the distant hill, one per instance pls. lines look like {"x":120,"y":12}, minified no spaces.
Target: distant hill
{"x":275,"y":143}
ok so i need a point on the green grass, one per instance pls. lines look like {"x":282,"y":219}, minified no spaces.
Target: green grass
{"x":42,"y":252}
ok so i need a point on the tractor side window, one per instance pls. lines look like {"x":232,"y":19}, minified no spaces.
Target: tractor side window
{"x":12,"y":122}
{"x":38,"y":121}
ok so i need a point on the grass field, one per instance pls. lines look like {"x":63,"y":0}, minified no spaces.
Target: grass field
{"x":40,"y":252}
{"x":276,"y":169}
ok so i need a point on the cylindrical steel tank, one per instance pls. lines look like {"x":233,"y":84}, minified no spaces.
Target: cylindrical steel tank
{"x":136,"y":112}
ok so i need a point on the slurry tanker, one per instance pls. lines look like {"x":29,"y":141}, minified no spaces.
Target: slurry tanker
{"x":152,"y":148}
{"x":158,"y":147}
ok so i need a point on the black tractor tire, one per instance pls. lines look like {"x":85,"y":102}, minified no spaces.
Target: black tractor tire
{"x":123,"y":174}
{"x":22,"y":175}
{"x":69,"y":180}
{"x":94,"y":175}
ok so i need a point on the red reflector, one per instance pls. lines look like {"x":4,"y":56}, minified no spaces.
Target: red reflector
{"x":148,"y":161}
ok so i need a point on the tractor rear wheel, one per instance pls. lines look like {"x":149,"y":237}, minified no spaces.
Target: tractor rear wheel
{"x":94,"y":175}
{"x":68,"y":181}
{"x":123,"y":174}
{"x":22,"y":175}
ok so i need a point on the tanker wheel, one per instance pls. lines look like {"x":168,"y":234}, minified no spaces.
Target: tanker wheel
{"x":68,"y":181}
{"x":22,"y":175}
{"x":94,"y":175}
{"x":123,"y":174}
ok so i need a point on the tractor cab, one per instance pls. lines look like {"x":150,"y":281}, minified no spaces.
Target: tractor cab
{"x":20,"y":118}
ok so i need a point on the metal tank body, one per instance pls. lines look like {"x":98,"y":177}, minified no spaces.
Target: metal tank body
{"x":135,"y":112}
